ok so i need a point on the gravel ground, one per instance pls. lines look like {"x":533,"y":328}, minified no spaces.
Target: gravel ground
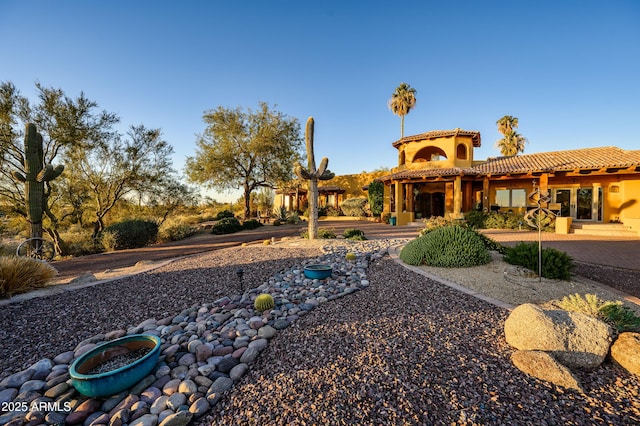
{"x":410,"y":351}
{"x":47,"y":326}
{"x":407,"y":350}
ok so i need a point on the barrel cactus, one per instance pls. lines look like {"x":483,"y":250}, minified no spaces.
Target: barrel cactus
{"x":313,"y":175}
{"x":36,"y":173}
{"x":264,"y":302}
{"x":350,"y":256}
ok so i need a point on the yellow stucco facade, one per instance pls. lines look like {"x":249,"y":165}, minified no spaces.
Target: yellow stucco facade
{"x":438,"y":176}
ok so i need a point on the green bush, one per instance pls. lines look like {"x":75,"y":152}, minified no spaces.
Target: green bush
{"x":223,"y":215}
{"x":251,"y":224}
{"x":277,"y":222}
{"x":475,"y":219}
{"x":490,"y":243}
{"x":376,"y":197}
{"x":355,"y":207}
{"x":621,"y":317}
{"x":227,"y":225}
{"x":354,"y":234}
{"x":432,"y":223}
{"x":332,"y":211}
{"x":175,"y":232}
{"x":556,"y":264}
{"x":499,"y":220}
{"x":450,"y":246}
{"x":323,"y":233}
{"x":133,"y":233}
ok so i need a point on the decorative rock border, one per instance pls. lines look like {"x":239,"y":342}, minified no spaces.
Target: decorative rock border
{"x":204,"y":351}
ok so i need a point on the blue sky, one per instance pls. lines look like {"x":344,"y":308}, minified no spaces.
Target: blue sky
{"x":569,"y":70}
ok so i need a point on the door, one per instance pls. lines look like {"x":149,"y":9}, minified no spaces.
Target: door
{"x":584,"y":208}
{"x":563,"y":197}
{"x":579,"y":203}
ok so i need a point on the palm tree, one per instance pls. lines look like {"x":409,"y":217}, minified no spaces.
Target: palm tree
{"x":507,"y":123}
{"x":512,"y":142}
{"x":402,"y":101}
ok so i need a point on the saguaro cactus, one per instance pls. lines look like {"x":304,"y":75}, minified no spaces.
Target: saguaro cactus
{"x":36,"y":174}
{"x":313,"y":175}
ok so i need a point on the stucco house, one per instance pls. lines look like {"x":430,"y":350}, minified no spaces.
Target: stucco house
{"x":437,"y":175}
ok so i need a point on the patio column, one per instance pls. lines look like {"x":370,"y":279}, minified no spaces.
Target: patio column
{"x":544,"y":187}
{"x":485,"y":194}
{"x":457,"y":196}
{"x":410,"y":197}
{"x":399,"y":200}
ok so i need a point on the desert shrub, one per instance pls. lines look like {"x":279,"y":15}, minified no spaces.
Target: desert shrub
{"x":450,"y":246}
{"x":510,"y":220}
{"x":175,"y":231}
{"x":251,"y":224}
{"x":354,"y":234}
{"x":620,"y":317}
{"x":556,"y":264}
{"x":432,"y":223}
{"x":133,"y":233}
{"x":490,"y":243}
{"x":223,"y":215}
{"x":386,"y":218}
{"x":475,"y":219}
{"x":332,"y":211}
{"x":23,"y":274}
{"x":281,"y":213}
{"x":355,"y":207}
{"x":323,"y":233}
{"x":227,"y":225}
{"x":293,"y":218}
{"x":276,"y":222}
{"x":108,"y":240}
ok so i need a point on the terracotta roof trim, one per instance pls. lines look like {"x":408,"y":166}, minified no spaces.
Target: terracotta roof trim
{"x":434,"y":134}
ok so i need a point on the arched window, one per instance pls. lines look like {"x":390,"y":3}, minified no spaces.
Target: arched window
{"x":429,"y":153}
{"x":461,"y":152}
{"x":401,"y":160}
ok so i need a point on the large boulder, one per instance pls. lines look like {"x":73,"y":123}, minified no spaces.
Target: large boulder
{"x":626,"y":351}
{"x":574,"y":339}
{"x":543,"y":366}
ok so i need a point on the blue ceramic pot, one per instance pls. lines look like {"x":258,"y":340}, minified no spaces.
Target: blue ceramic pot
{"x":319,"y":271}
{"x":112,"y":382}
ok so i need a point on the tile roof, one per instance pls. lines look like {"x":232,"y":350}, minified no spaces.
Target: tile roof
{"x":434,"y":134}
{"x":586,"y":158}
{"x":432,"y":172}
{"x":577,"y":159}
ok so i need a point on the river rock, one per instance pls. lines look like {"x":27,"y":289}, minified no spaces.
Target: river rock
{"x":181,"y":418}
{"x":83,"y":411}
{"x":17,"y":379}
{"x":199,"y":407}
{"x":145,"y":420}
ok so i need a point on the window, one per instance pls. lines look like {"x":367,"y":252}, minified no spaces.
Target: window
{"x":461,"y":152}
{"x":511,"y":197}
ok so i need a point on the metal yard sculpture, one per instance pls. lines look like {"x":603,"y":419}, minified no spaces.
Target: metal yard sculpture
{"x":536,"y":216}
{"x":313,"y":175}
{"x":36,"y":173}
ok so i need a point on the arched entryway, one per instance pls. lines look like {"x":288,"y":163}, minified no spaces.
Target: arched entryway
{"x":430,"y":204}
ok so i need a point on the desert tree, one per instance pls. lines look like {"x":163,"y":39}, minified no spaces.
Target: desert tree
{"x":66,"y":124}
{"x":245,"y":149}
